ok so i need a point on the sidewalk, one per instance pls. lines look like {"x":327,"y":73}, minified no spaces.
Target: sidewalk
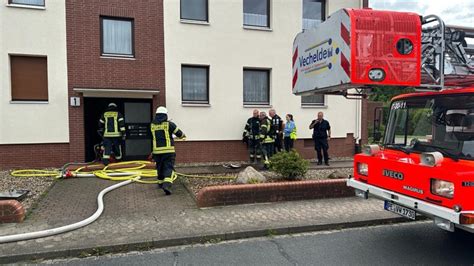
{"x":139,"y":216}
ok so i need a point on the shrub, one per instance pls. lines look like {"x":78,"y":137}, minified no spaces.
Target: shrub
{"x":289,"y":164}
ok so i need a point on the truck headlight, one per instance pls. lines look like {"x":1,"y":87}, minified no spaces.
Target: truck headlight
{"x":442,"y":188}
{"x":363,"y":169}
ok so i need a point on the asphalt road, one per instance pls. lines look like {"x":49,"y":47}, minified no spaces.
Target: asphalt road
{"x":415,"y":243}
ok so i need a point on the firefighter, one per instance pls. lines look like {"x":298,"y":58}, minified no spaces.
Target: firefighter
{"x":164,"y":154}
{"x":277,"y":124}
{"x":112,"y":126}
{"x":266,"y":138}
{"x":252,"y":137}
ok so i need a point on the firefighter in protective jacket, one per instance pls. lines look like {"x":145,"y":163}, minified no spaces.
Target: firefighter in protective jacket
{"x":267,"y":138}
{"x":112,"y":124}
{"x":252,"y":136}
{"x":164,"y":154}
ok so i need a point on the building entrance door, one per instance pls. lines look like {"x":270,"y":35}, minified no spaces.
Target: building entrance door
{"x":137,"y":114}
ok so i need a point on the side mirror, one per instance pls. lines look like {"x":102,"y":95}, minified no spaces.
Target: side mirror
{"x":378,"y":120}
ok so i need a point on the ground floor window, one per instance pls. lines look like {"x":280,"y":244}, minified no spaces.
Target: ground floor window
{"x":195,"y":84}
{"x":256,"y":86}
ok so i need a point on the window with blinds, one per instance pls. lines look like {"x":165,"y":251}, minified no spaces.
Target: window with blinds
{"x":27,"y":2}
{"x":256,"y":86}
{"x":195,"y":84}
{"x":117,"y":37}
{"x":313,"y":100}
{"x":29,"y":78}
{"x":313,"y":13}
{"x":257,"y":13}
{"x":194,"y":10}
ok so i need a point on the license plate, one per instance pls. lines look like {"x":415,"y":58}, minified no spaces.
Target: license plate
{"x":400,"y":210}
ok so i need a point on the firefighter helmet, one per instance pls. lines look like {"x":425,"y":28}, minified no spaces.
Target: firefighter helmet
{"x":161,"y":110}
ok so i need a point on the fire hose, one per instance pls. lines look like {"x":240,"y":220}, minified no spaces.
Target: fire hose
{"x":133,"y":172}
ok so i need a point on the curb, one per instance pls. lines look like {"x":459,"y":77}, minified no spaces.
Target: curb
{"x":163,"y":243}
{"x":224,"y":195}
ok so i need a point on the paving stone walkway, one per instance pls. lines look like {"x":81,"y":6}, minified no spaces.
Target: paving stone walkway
{"x":138,"y":214}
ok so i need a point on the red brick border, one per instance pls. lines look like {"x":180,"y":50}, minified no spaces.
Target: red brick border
{"x":272,"y":192}
{"x":11,"y":211}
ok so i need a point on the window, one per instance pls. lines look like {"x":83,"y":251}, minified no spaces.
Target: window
{"x":313,"y":13}
{"x":117,"y":37}
{"x":256,"y":86}
{"x":313,"y":100}
{"x":195,"y":84}
{"x":194,"y":10}
{"x":257,"y":13}
{"x":29,"y":78}
{"x":27,"y":2}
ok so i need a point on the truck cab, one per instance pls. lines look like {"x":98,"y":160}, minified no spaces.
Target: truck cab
{"x":425,"y":164}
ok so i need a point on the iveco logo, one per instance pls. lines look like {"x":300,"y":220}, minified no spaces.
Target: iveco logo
{"x":393,"y":174}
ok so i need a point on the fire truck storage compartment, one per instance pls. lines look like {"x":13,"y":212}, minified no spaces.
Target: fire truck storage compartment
{"x":355,"y":48}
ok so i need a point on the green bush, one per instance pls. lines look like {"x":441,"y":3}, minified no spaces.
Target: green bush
{"x":290,"y":165}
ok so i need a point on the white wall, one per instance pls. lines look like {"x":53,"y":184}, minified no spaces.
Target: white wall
{"x":227,"y":48}
{"x":26,"y":31}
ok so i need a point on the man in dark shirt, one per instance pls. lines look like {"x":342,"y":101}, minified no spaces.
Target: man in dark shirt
{"x":321,"y":135}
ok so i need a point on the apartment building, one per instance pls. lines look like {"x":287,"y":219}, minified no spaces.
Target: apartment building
{"x":211,"y":62}
{"x":225,"y":58}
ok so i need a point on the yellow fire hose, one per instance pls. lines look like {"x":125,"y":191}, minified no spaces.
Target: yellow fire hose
{"x":127,"y":172}
{"x":115,"y":172}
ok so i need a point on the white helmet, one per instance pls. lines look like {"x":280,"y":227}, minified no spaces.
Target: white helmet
{"x":112,"y":105}
{"x":161,"y":110}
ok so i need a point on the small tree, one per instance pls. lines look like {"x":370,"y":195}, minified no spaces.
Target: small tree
{"x":290,"y":165}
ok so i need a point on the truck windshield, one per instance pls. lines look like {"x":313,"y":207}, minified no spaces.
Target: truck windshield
{"x":425,"y":124}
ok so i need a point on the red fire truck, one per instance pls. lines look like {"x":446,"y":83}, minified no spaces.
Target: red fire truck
{"x":425,"y":162}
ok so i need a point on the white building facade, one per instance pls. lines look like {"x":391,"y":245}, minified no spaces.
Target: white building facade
{"x":225,"y":58}
{"x":33,"y":78}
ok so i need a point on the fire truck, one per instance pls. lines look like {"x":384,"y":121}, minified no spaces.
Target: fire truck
{"x":424,"y":165}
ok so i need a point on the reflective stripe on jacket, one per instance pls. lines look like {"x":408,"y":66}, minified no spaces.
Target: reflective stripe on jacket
{"x":266,"y":132}
{"x":113,"y":124}
{"x":162,"y":133}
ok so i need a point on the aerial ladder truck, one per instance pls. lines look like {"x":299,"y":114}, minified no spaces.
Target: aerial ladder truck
{"x":424,"y":164}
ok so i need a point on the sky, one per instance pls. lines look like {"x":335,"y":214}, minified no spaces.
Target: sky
{"x":453,"y":12}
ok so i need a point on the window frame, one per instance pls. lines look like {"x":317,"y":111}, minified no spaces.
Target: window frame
{"x":191,"y":102}
{"x":11,"y":2}
{"x":132,"y":20}
{"x":269,"y":73}
{"x":312,"y":104}
{"x":323,"y":12}
{"x":190,"y":19}
{"x":269,"y":12}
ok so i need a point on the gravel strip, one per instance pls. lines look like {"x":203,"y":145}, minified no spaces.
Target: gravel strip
{"x":335,"y":159}
{"x":196,"y":184}
{"x":36,"y":185}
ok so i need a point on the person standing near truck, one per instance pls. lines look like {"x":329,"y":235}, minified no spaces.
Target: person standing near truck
{"x":321,"y":135}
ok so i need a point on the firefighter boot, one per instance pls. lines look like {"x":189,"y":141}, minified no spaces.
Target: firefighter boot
{"x":167,"y":188}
